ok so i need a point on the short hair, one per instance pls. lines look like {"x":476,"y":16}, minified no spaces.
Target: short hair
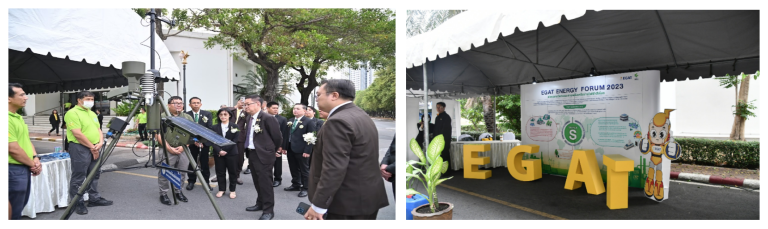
{"x":12,"y":93}
{"x":313,"y":109}
{"x":175,"y":97}
{"x":441,"y":104}
{"x":190,"y":99}
{"x":226,"y":109}
{"x":302,"y":105}
{"x":345,"y":88}
{"x":84,"y":94}
{"x":255,"y":97}
{"x":272,"y":103}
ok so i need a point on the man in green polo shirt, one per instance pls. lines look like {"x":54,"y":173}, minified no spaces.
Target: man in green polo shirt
{"x":22,"y":157}
{"x":85,"y":142}
{"x":176,"y":156}
{"x":141,"y":122}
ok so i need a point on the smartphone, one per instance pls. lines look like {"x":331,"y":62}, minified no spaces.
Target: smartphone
{"x":304,"y":207}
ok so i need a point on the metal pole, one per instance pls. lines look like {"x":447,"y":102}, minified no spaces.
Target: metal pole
{"x":184,"y":98}
{"x":426,"y":111}
{"x":152,"y":38}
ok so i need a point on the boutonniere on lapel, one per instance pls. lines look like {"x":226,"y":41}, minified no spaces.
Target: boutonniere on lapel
{"x":301,"y":126}
{"x":233,"y":130}
{"x":290,"y":123}
{"x":205,"y":119}
{"x":256,"y":128}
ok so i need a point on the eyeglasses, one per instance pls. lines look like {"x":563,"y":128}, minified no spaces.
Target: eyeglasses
{"x":177,"y":104}
{"x":248,"y":104}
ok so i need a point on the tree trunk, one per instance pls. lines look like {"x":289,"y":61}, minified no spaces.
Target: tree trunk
{"x":489,"y":114}
{"x":270,"y":87}
{"x":743,"y":98}
{"x":310,"y":78}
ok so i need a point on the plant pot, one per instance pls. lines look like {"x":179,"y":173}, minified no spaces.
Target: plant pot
{"x":211,"y":162}
{"x":445,"y":214}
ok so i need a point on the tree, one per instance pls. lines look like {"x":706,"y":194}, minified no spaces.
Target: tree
{"x":302,"y":39}
{"x":422,"y":21}
{"x":508,"y":107}
{"x":254,"y":84}
{"x":471,"y":113}
{"x":742,"y":107}
{"x":366,"y":36}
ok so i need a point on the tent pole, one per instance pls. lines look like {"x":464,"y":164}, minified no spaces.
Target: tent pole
{"x":426,"y":111}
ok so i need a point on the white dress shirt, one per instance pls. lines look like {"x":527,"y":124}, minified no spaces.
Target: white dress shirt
{"x":224,"y":129}
{"x":250,"y":139}
{"x":316,"y":208}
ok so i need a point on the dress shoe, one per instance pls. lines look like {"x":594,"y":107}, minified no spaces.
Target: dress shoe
{"x":80,"y":209}
{"x":276,"y":183}
{"x":215,"y":179}
{"x":247,"y":171}
{"x":267,"y":216}
{"x":239,"y":181}
{"x":180,"y":196}
{"x":254,"y":208}
{"x":165,"y":200}
{"x":99,"y":202}
{"x":292,"y":188}
{"x":303,"y":193}
{"x":49,"y":133}
{"x":190,"y":186}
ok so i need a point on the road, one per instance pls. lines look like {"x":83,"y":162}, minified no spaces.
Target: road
{"x":503,"y":197}
{"x":135,"y":193}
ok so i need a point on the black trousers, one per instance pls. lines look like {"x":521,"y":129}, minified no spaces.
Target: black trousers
{"x":54,"y":126}
{"x":279,"y":168}
{"x":143,"y":131}
{"x":202,"y":154}
{"x":332,"y":216}
{"x":224,"y":165}
{"x":299,"y":167}
{"x":262,"y":180}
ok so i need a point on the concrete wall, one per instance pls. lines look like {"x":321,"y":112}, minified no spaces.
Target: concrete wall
{"x":704,"y":108}
{"x":209,"y":71}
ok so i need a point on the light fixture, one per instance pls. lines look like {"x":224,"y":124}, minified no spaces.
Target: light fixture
{"x":593,"y":72}
{"x":534,"y":80}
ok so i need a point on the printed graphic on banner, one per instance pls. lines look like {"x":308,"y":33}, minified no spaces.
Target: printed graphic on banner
{"x":658,"y":142}
{"x":604,"y":113}
{"x":173,"y":176}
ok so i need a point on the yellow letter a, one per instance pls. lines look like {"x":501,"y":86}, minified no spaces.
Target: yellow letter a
{"x":584,"y":169}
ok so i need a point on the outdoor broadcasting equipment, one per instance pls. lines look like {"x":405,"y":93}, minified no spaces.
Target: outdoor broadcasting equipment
{"x":181,"y":129}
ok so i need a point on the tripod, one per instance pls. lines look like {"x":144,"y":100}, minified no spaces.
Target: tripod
{"x":109,"y":149}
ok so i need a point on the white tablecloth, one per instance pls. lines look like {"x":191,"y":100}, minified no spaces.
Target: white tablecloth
{"x":498,"y":153}
{"x":49,"y":189}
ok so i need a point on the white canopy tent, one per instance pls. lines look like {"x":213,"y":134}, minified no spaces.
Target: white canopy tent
{"x":53,"y":50}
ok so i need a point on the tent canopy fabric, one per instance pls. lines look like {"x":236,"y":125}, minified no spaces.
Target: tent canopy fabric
{"x":52,"y":50}
{"x":685,"y":44}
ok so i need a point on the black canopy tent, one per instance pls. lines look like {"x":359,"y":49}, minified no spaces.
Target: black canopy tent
{"x":682,"y":44}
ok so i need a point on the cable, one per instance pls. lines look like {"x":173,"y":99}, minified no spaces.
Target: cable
{"x":156,"y":52}
{"x":134,"y":147}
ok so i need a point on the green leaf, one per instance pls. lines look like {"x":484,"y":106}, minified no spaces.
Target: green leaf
{"x":411,"y":191}
{"x":441,"y":180}
{"x":434,"y":169}
{"x":445,"y":167}
{"x":417,"y":150}
{"x":412,"y":162}
{"x":435,"y":148}
{"x":409,"y":169}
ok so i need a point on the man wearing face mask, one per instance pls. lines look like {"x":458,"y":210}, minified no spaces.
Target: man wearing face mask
{"x":86,"y":140}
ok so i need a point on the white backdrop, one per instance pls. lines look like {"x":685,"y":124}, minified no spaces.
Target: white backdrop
{"x":412,"y":118}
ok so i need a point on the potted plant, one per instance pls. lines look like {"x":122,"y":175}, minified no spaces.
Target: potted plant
{"x":433,"y":167}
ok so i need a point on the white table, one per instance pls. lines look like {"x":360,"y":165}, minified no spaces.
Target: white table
{"x":49,"y":189}
{"x":498,"y":153}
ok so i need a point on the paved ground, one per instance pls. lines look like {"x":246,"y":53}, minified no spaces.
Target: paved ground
{"x":135,"y":193}
{"x":503,"y":197}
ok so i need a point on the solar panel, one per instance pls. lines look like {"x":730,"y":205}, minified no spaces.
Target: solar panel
{"x":195,"y":129}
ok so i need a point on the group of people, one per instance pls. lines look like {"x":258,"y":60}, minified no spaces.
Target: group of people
{"x":331,"y":162}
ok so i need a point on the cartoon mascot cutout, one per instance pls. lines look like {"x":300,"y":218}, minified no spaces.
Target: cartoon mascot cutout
{"x":659,"y":143}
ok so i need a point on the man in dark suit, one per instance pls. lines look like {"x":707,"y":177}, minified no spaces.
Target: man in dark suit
{"x":388,"y":165}
{"x":100,"y":117}
{"x":238,"y":118}
{"x":311,"y":115}
{"x":443,"y":126}
{"x":298,"y":149}
{"x":262,"y":139}
{"x":273,"y":108}
{"x":344,"y":177}
{"x":199,"y":150}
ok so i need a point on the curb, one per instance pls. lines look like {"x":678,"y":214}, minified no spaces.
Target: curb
{"x":124,"y":164}
{"x":749,"y":183}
